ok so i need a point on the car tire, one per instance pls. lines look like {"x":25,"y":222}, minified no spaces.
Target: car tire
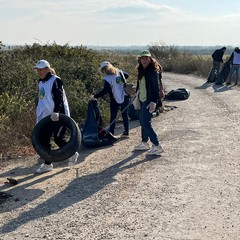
{"x":59,"y":154}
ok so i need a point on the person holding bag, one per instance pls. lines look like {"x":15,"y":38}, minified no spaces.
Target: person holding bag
{"x":114,"y":87}
{"x":149,"y":96}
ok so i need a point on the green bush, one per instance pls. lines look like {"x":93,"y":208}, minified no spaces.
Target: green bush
{"x":78,"y":67}
{"x":174,"y":60}
{"x":11,"y":107}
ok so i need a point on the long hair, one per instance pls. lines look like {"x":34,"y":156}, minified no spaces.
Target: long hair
{"x":109,"y":70}
{"x":153,"y":62}
{"x":52,"y":71}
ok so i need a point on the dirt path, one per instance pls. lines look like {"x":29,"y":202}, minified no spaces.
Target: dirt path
{"x":191,"y":192}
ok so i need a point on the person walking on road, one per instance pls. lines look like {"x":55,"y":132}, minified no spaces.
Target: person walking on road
{"x":149,"y":97}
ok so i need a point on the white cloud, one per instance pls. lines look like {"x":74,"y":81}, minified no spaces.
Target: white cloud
{"x":109,"y":22}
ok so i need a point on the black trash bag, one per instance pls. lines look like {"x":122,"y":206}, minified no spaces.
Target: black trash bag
{"x":223,"y":74}
{"x":93,"y":134}
{"x":178,"y":94}
{"x":212,"y":76}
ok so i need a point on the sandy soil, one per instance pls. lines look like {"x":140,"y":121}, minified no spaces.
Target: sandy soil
{"x":191,"y":192}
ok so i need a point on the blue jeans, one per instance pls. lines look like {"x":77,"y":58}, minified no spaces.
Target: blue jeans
{"x":146,"y":125}
{"x":234,"y":68}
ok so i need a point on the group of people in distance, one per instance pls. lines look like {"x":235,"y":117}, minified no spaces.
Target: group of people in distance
{"x":217,"y":58}
{"x":52,"y":100}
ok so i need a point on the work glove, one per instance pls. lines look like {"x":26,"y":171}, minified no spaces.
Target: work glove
{"x":55,"y":117}
{"x":151,"y":107}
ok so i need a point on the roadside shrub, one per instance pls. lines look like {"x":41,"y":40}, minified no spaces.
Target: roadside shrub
{"x":16,"y":119}
{"x":11,"y":107}
{"x":174,"y":60}
{"x":78,"y":67}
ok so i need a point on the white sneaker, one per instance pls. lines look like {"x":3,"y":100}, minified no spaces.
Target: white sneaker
{"x":155,"y":150}
{"x":45,"y":168}
{"x":142,"y":146}
{"x":73,"y":159}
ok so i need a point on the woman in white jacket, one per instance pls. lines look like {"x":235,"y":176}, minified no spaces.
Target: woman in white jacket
{"x":52,"y":100}
{"x":113,"y":86}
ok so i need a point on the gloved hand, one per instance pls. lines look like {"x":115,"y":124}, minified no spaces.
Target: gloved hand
{"x":151,"y":107}
{"x":55,"y":117}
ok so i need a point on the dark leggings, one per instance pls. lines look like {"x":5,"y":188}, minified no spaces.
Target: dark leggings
{"x":114,"y":107}
{"x":58,"y":130}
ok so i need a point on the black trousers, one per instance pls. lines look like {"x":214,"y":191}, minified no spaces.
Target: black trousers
{"x":114,"y":107}
{"x":55,"y":131}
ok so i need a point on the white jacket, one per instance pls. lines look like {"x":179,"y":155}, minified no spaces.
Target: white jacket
{"x":116,"y":84}
{"x":45,"y":99}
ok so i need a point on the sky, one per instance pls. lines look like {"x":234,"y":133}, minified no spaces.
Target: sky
{"x":120,"y":22}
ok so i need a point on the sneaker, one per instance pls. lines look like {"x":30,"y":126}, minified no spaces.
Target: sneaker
{"x":142,"y":146}
{"x":125,"y":135}
{"x":73,"y":159}
{"x":155,"y":150}
{"x":45,"y":168}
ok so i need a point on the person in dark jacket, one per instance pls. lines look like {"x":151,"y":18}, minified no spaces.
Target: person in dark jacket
{"x":235,"y":64}
{"x":114,"y":87}
{"x":217,"y":58}
{"x":149,"y":96}
{"x":52,"y":100}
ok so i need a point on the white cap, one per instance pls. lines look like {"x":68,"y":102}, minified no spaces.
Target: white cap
{"x":104,"y":64}
{"x":42,"y":64}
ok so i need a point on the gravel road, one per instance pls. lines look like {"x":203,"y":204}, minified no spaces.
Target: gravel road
{"x":191,"y":192}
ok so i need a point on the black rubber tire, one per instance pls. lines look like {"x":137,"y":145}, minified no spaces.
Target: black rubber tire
{"x":60,"y":154}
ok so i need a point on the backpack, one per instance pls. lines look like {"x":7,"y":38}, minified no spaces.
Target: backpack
{"x":178,"y":94}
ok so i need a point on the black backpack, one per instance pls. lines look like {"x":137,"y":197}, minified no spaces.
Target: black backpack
{"x":178,"y":94}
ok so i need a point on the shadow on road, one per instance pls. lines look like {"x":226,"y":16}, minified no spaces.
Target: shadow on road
{"x":204,"y":85}
{"x":221,"y":88}
{"x":79,"y":189}
{"x":216,"y":87}
{"x":27,"y":193}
